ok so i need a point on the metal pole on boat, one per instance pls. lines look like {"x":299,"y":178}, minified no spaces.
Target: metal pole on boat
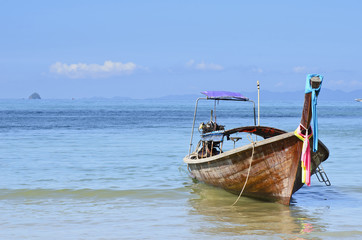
{"x":258,"y":102}
{"x":193,"y":124}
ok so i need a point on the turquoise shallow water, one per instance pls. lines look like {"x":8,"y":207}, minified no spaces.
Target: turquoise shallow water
{"x":112,"y":169}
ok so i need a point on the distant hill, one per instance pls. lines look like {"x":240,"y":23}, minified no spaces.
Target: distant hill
{"x":181,"y":97}
{"x":325,"y":95}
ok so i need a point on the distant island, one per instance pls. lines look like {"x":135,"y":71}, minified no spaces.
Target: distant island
{"x":34,"y":96}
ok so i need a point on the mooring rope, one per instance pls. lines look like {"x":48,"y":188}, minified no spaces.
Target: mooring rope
{"x":247,"y":177}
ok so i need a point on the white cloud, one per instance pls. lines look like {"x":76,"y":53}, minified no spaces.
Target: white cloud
{"x":83,"y":70}
{"x":355,"y":83}
{"x":338,"y":82}
{"x":258,"y":70}
{"x":190,"y":63}
{"x":279,"y":84}
{"x":299,"y":69}
{"x":344,"y":83}
{"x":204,"y":66}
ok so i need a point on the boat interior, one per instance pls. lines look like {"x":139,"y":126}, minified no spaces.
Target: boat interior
{"x":214,"y":137}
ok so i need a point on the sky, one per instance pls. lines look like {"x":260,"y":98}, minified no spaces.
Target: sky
{"x":151,"y":48}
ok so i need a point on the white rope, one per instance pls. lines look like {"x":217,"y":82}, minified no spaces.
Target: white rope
{"x":247,"y":177}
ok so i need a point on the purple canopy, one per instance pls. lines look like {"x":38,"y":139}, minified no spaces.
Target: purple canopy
{"x":224,"y":95}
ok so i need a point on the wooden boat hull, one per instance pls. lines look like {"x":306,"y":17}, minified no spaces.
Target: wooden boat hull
{"x":273,"y":172}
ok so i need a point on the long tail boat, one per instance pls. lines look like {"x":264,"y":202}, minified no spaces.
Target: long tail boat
{"x":269,"y":169}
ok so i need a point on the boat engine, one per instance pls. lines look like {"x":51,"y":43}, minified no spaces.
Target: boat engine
{"x":210,"y":127}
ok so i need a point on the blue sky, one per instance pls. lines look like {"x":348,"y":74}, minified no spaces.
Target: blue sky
{"x":141,"y":49}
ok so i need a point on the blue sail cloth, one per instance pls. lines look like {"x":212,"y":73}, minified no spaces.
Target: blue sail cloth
{"x":314,"y":91}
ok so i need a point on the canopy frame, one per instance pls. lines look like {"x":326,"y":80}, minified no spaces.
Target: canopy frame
{"x":219,"y":96}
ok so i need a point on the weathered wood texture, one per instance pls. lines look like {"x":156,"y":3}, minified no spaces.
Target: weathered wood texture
{"x":274,"y":169}
{"x":307,"y":111}
{"x":272,"y":172}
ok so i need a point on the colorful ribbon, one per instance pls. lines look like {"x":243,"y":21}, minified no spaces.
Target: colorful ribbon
{"x":306,"y":156}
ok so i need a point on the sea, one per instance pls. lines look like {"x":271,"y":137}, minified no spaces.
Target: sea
{"x":113,"y":169}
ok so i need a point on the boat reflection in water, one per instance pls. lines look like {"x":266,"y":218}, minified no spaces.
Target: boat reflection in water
{"x":249,"y":218}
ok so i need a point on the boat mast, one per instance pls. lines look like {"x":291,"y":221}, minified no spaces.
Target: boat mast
{"x":193,"y":124}
{"x":258,"y":102}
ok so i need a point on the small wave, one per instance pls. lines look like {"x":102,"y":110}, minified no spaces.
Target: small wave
{"x":8,"y":194}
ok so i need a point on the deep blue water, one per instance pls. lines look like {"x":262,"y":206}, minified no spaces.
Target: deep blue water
{"x":113,"y":169}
